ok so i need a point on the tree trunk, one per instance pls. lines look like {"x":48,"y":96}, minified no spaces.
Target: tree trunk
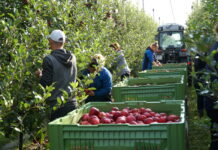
{"x":21,"y":141}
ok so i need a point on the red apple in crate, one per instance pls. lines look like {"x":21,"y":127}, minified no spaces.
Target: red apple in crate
{"x":101,"y":115}
{"x":142,"y":110}
{"x":117,"y":114}
{"x":172,"y":118}
{"x":115,"y":108}
{"x":134,"y":110}
{"x":163,"y":114}
{"x":140,"y":122}
{"x":126,"y":109}
{"x":152,"y":113}
{"x":94,"y":120}
{"x":130,"y":118}
{"x":85,"y":117}
{"x":147,"y":114}
{"x":148,"y":110}
{"x":124,"y":112}
{"x":121,"y":120}
{"x":85,"y":123}
{"x":162,"y":119}
{"x":156,"y":119}
{"x":148,"y":120}
{"x":94,"y":111}
{"x":157,"y":115}
{"x":105,"y":120}
{"x":112,"y":112}
{"x":141,"y":117}
{"x":133,"y":122}
{"x":169,"y":122}
{"x":108,"y":115}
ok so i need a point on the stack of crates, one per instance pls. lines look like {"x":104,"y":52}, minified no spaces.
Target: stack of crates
{"x":152,"y":89}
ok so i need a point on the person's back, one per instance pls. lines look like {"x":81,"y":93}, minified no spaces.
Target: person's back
{"x":63,"y":65}
{"x":120,"y":63}
{"x":102,"y":81}
{"x":103,"y":84}
{"x":59,"y":70}
{"x":122,"y":66}
{"x":148,"y":59}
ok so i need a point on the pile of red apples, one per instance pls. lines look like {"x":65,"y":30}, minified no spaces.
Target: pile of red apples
{"x":135,"y":116}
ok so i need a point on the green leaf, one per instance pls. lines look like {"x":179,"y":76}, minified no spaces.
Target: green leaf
{"x":17,"y":129}
{"x":59,"y":101}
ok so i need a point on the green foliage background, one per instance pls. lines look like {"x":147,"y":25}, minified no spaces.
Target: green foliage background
{"x":90,"y":28}
{"x":200,"y":36}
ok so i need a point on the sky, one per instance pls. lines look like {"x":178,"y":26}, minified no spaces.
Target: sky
{"x":162,"y":12}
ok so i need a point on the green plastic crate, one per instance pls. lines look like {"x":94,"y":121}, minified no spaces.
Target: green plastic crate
{"x":164,"y":72}
{"x":174,"y":91}
{"x":171,"y":65}
{"x":66,"y":134}
{"x":156,"y":80}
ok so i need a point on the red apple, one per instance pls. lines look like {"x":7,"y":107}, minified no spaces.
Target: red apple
{"x":85,"y":123}
{"x":162,"y":119}
{"x":115,"y":108}
{"x":163,"y":114}
{"x":133,"y":122}
{"x":94,"y":120}
{"x":130,"y":118}
{"x":140,"y":122}
{"x":117,"y":114}
{"x":141,"y":117}
{"x":124,"y":112}
{"x":121,"y":119}
{"x":152,"y":113}
{"x":148,"y":110}
{"x":85,"y":117}
{"x":105,"y":120}
{"x":101,"y":114}
{"x":147,"y":114}
{"x":172,"y":118}
{"x":156,"y":119}
{"x":157,"y":115}
{"x":148,"y":120}
{"x":94,"y":111}
{"x":108,"y":115}
{"x":142,"y":110}
{"x":135,"y":110}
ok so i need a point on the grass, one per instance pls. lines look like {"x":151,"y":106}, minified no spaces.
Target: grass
{"x":199,"y":128}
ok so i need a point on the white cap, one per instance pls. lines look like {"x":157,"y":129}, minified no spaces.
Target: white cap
{"x":57,"y":36}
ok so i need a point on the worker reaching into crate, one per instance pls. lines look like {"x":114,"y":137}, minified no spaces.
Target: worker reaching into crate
{"x":100,"y":89}
{"x":149,"y":57}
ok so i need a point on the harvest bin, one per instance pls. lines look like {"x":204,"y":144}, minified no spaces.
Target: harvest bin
{"x":171,"y":65}
{"x":174,"y":91}
{"x":66,"y":134}
{"x":164,"y":72}
{"x":155,"y":80}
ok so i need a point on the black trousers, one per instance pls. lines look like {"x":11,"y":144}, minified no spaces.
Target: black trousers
{"x":63,"y":110}
{"x":126,"y":75}
{"x":213,"y":115}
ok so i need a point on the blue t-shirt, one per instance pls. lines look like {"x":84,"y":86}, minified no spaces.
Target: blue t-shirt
{"x":148,"y":59}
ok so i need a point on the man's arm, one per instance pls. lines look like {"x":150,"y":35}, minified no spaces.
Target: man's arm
{"x":46,"y":78}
